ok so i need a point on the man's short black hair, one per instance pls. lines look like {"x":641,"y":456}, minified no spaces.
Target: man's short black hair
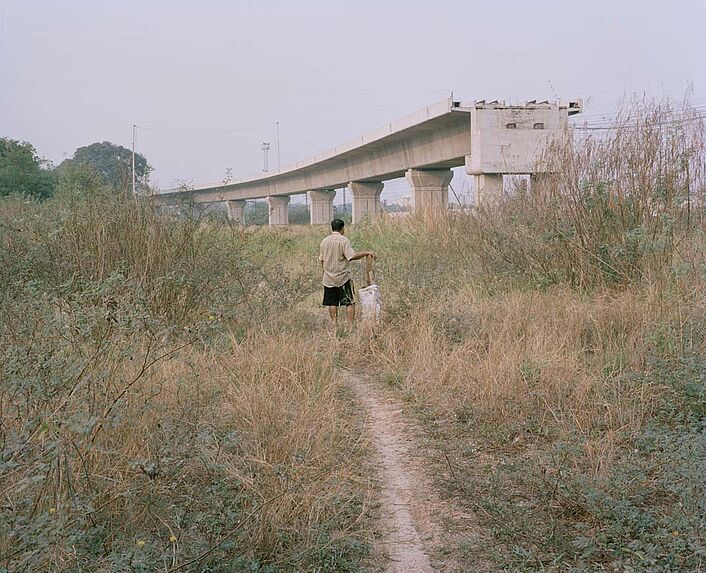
{"x":337,"y":225}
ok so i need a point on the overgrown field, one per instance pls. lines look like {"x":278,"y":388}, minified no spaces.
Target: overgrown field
{"x":164,"y":404}
{"x":168,"y":403}
{"x":554,"y":346}
{"x":570,"y":421}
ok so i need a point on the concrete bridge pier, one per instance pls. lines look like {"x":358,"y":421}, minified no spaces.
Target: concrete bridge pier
{"x":279,"y":209}
{"x":489,"y":188}
{"x":366,"y":199}
{"x":430,"y":188}
{"x":321,"y":206}
{"x":236,"y":211}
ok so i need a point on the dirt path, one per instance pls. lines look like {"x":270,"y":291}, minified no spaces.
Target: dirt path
{"x":412,"y":511}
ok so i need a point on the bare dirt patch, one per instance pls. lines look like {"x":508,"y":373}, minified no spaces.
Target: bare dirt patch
{"x":419,"y":527}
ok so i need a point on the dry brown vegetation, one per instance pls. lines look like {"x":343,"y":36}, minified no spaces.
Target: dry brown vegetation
{"x":561,"y":416}
{"x":167,"y":399}
{"x":554,"y":346}
{"x":164,"y":406}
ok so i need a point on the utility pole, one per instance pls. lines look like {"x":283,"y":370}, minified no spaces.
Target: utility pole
{"x":134,"y":128}
{"x":279,"y":165}
{"x":265,"y":150}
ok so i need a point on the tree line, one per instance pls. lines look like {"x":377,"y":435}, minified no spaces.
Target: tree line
{"x":98,"y":165}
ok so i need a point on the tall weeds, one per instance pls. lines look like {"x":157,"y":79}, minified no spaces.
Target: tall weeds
{"x":161,"y":408}
{"x":554,"y":346}
{"x":618,"y":210}
{"x":167,"y":402}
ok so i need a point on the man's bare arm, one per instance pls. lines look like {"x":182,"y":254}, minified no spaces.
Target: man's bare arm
{"x":362,"y":255}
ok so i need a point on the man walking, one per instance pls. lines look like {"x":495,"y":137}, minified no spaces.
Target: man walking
{"x":335,"y":254}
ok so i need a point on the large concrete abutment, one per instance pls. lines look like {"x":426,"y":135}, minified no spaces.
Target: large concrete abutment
{"x":430,"y":188}
{"x":366,"y":199}
{"x":321,"y":206}
{"x":279,"y":209}
{"x":236,"y":211}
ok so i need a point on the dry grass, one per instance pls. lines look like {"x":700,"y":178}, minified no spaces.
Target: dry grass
{"x":554,"y":345}
{"x":292,"y":415}
{"x":163,"y":405}
{"x":554,"y":411}
{"x":549,"y":361}
{"x":190,"y":448}
{"x":167,"y":399}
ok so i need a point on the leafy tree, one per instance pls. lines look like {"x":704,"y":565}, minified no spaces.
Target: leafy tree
{"x":74,"y":180}
{"x":22,"y":170}
{"x":113,"y":163}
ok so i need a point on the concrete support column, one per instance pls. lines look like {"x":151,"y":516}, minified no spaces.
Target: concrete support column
{"x":366,"y":199}
{"x":236,"y":211}
{"x":489,"y":188}
{"x":430,"y":188}
{"x":321,"y":206}
{"x":279,"y":209}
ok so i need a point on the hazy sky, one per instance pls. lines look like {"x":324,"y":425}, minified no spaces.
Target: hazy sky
{"x":73,"y":72}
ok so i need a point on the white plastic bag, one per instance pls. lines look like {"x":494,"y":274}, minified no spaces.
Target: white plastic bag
{"x":370,"y":304}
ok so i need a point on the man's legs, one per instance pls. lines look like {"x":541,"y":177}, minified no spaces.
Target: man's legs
{"x":339,"y":296}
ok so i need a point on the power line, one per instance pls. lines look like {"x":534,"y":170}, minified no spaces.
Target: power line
{"x":627,"y":119}
{"x":610,"y":119}
{"x":204,"y":130}
{"x":290,"y":132}
{"x":698,"y":117}
{"x":677,"y":100}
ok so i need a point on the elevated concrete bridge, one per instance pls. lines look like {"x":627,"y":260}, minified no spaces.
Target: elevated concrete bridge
{"x":489,"y":138}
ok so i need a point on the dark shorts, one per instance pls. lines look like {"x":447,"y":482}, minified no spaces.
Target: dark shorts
{"x":339,"y":296}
